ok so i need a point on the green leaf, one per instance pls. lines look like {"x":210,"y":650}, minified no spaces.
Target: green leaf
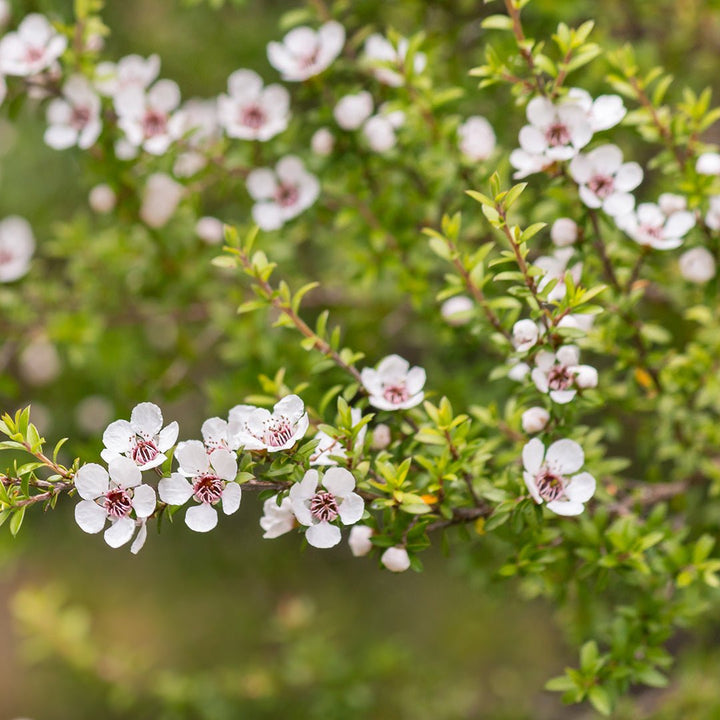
{"x":600,"y":699}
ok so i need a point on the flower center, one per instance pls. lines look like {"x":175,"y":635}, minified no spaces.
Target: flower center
{"x":154,"y":123}
{"x":307,"y":61}
{"x":33,"y":54}
{"x":602,"y":185}
{"x":560,"y":378}
{"x":396,"y":394}
{"x":557,"y":134}
{"x":286,"y":195}
{"x":80,"y":117}
{"x":144,"y":451}
{"x":549,"y":485}
{"x":253,"y":117}
{"x":278,"y":432}
{"x":323,"y":507}
{"x":651,"y":232}
{"x":117,"y":503}
{"x":208,"y":489}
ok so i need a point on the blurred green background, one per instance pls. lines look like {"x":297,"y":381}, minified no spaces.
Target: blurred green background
{"x":229,"y":625}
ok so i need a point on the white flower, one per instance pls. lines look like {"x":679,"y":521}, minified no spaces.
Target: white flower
{"x":217,"y":435}
{"x":255,"y":428}
{"x":351,"y":111}
{"x":577,"y":321}
{"x":102,"y":198}
{"x":113,"y":497}
{"x":210,"y":230}
{"x":525,"y":335}
{"x":648,"y":225}
{"x":535,"y":419}
{"x":547,"y":477}
{"x":319,"y":508}
{"x":560,"y":374}
{"x":393,"y":385}
{"x":17,"y":245}
{"x":359,"y":540}
{"x":250,"y":111}
{"x":129,"y":71}
{"x":396,"y":559}
{"x":476,"y":138}
{"x":211,"y":481}
{"x":708,"y":164}
{"x":556,"y":132}
{"x":712,"y":219}
{"x":74,"y":119}
{"x":379,"y":130}
{"x":526,"y":163}
{"x":305,"y":52}
{"x":147,"y":118}
{"x":328,"y":446}
{"x":322,"y":142}
{"x":283,"y":193}
{"x":564,"y":231}
{"x":141,"y":439}
{"x":125,"y":150}
{"x":277,"y":519}
{"x":32,"y":48}
{"x":387,"y":62}
{"x":604,"y":112}
{"x":605,"y":181}
{"x":160,"y":199}
{"x":554,"y":267}
{"x":197,"y":122}
{"x":381,"y":437}
{"x":457,"y":310}
{"x":671,"y":203}
{"x":697,"y":265}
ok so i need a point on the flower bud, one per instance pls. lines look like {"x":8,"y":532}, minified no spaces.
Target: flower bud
{"x":39,"y":362}
{"x":697,"y":265}
{"x":210,"y":230}
{"x":160,"y":199}
{"x":380,"y":437}
{"x":535,"y":419}
{"x":396,"y":559}
{"x":359,"y":540}
{"x":564,"y":231}
{"x":456,"y":310}
{"x":352,"y":111}
{"x":476,"y":138}
{"x":322,"y":142}
{"x":518,"y":372}
{"x":102,"y":199}
{"x":525,"y":334}
{"x":380,"y":134}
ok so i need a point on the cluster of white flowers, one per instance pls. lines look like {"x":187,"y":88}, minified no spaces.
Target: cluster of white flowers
{"x":355,"y":111}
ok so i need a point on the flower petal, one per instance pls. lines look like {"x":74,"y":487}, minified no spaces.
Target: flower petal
{"x":231,"y":498}
{"x":339,"y":481}
{"x":175,"y":490}
{"x":146,"y":419}
{"x":140,"y":539}
{"x":144,"y":501}
{"x":90,"y":516}
{"x":323,"y":535}
{"x":119,"y":532}
{"x":201,"y":518}
{"x":351,"y":508}
{"x":91,"y":481}
{"x":124,"y":472}
{"x":224,"y":463}
{"x":581,"y":488}
{"x":565,"y":457}
{"x":118,"y":436}
{"x":532,"y":455}
{"x":192,"y":458}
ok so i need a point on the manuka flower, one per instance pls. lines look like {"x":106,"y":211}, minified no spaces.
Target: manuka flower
{"x":560,"y":374}
{"x":17,"y":245}
{"x":216,"y":435}
{"x":396,"y":559}
{"x":281,"y":194}
{"x":114,"y":496}
{"x":393,"y":385}
{"x":130,"y":71}
{"x":603,"y":113}
{"x":208,"y":478}
{"x":254,"y":428}
{"x":554,"y":267}
{"x":697,"y":265}
{"x":147,"y":117}
{"x":476,"y":138}
{"x":604,"y":181}
{"x":649,"y":226}
{"x":141,"y":439}
{"x":387,"y":62}
{"x":74,"y":119}
{"x":351,"y":111}
{"x":305,"y":52}
{"x":319,"y":508}
{"x":32,"y":48}
{"x":525,"y":334}
{"x":551,"y":478}
{"x":250,"y":111}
